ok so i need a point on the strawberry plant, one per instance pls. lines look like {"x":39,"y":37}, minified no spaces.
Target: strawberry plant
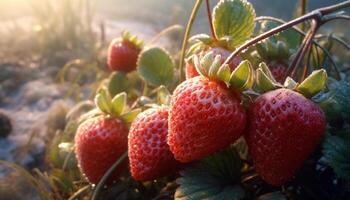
{"x":256,"y":109}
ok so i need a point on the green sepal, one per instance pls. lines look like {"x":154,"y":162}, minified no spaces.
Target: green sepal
{"x":242,"y":78}
{"x":290,"y":83}
{"x":103,"y":101}
{"x":264,"y":82}
{"x":203,"y":38}
{"x":215,"y":65}
{"x":313,"y":84}
{"x":163,"y":95}
{"x":130,"y":116}
{"x":267,"y":71}
{"x":118,"y":104}
{"x":126,"y":35}
{"x":224,"y":73}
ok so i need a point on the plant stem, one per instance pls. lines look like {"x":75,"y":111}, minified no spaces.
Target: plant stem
{"x":79,"y":192}
{"x":303,"y":11}
{"x":106,"y":175}
{"x":164,"y":32}
{"x":304,"y":48}
{"x":210,"y":20}
{"x":186,"y":36}
{"x":316,"y":14}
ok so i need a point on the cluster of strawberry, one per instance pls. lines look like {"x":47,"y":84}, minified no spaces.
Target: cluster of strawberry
{"x":206,"y":114}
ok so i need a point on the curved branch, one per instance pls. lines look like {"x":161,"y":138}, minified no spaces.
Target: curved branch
{"x":187,"y":34}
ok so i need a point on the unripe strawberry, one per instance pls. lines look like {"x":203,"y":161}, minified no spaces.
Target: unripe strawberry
{"x":149,"y":153}
{"x":284,"y":129}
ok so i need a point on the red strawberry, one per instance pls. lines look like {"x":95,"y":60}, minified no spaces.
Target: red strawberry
{"x":149,"y":154}
{"x":99,"y":142}
{"x":204,"y":117}
{"x":279,"y":71}
{"x":285,"y":127}
{"x":123,"y":53}
{"x":192,"y":72}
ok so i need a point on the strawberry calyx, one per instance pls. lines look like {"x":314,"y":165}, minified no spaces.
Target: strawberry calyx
{"x":271,"y":49}
{"x":115,"y":107}
{"x":133,"y":39}
{"x":209,"y":65}
{"x":312,"y":85}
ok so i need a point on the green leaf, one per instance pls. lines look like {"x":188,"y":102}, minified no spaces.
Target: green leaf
{"x":235,"y":19}
{"x":118,"y":104}
{"x":242,"y":77}
{"x":118,"y":82}
{"x":214,"y":177}
{"x":103,"y":101}
{"x":336,"y":153}
{"x":267,"y":71}
{"x":336,"y":102}
{"x":273,"y":196}
{"x":130,"y":116}
{"x":313,"y":84}
{"x":204,"y":38}
{"x":224,"y":73}
{"x":156,"y":66}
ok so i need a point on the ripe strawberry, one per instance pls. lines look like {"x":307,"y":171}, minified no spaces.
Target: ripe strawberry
{"x":205,"y":116}
{"x":285,"y":127}
{"x":99,"y":142}
{"x":192,"y":72}
{"x":123,"y":53}
{"x":149,"y":154}
{"x":279,"y":71}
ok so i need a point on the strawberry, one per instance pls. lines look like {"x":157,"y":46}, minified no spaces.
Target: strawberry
{"x":205,"y":116}
{"x":192,"y":72}
{"x":279,"y":70}
{"x":101,"y":140}
{"x":123,"y":53}
{"x":284,"y":129}
{"x":149,"y":154}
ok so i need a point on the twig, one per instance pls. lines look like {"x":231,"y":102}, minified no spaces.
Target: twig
{"x":79,"y":192}
{"x":186,"y":36}
{"x":106,"y":175}
{"x":210,"y":20}
{"x":316,"y":14}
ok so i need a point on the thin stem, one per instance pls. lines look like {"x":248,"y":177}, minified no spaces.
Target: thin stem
{"x":210,"y":20}
{"x":335,"y":67}
{"x":186,"y":36}
{"x":331,"y":36}
{"x":306,"y":47}
{"x":106,"y":175}
{"x":164,"y":32}
{"x":79,"y":192}
{"x":303,"y":11}
{"x":333,"y":8}
{"x":316,"y":14}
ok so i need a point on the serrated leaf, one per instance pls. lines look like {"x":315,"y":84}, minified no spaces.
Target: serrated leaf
{"x":273,"y":196}
{"x":156,"y":66}
{"x":234,"y":18}
{"x":313,"y":84}
{"x":212,"y":178}
{"x":242,"y":77}
{"x":118,"y":82}
{"x":336,"y":153}
{"x":336,"y":102}
{"x":118,"y":104}
{"x":130,"y":116}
